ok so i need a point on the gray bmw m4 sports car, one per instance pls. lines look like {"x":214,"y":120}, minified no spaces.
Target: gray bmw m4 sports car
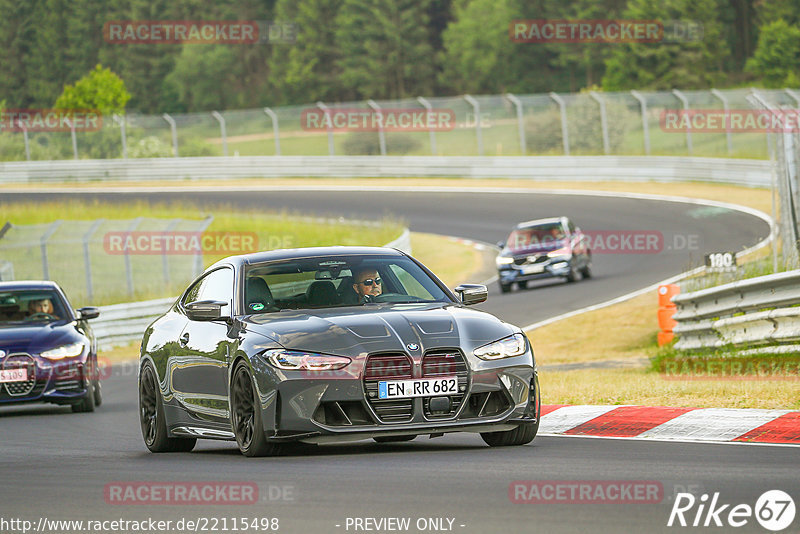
{"x":332,"y":344}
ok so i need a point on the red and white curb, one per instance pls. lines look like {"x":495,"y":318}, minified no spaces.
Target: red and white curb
{"x":673,"y":424}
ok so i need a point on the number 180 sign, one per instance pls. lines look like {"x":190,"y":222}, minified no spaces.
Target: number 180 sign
{"x":721,"y":261}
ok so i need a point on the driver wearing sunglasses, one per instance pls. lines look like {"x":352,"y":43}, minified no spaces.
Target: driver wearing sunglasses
{"x":367,"y":284}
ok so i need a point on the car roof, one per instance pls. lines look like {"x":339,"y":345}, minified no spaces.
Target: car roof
{"x":308,"y":252}
{"x":537,"y":222}
{"x":28,"y":284}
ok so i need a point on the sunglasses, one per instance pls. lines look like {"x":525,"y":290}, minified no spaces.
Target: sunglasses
{"x":369,"y":281}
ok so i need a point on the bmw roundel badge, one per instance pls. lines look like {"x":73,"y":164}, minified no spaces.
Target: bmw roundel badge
{"x":412,"y":346}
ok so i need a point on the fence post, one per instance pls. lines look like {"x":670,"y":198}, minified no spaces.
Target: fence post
{"x":221,"y":121}
{"x":603,"y":120}
{"x":381,"y":135}
{"x":43,"y":245}
{"x":329,"y":127}
{"x":71,"y":125}
{"x":685,"y":101}
{"x":121,"y":121}
{"x":428,"y":107}
{"x":164,"y":263}
{"x":564,"y":132}
{"x":476,"y":107}
{"x":275,"y":129}
{"x":173,"y":127}
{"x":128,"y":268}
{"x":645,"y":128}
{"x":520,"y":122}
{"x":87,"y":260}
{"x":27,"y":145}
{"x":198,"y":258}
{"x":725,"y":109}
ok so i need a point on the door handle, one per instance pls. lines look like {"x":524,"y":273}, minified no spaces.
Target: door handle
{"x":184,"y":340}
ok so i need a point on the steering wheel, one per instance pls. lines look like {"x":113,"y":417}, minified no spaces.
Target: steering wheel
{"x":39,"y":315}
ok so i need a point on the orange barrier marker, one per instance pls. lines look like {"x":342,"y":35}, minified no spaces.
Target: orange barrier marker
{"x":666,"y":309}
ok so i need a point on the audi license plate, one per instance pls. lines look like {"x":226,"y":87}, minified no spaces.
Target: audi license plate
{"x":423,"y":387}
{"x":13,"y":375}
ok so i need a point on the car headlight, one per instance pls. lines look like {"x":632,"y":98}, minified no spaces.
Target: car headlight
{"x":565,"y":252}
{"x":507,"y":347}
{"x":504,"y":260}
{"x":64,"y":351}
{"x":292,"y":360}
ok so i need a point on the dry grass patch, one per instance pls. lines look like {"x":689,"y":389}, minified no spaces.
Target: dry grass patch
{"x":451,"y":261}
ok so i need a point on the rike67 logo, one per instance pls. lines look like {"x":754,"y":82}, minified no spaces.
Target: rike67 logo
{"x":774,"y":510}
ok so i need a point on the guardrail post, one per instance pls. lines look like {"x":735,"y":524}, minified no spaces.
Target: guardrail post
{"x":520,"y":122}
{"x":198,"y":258}
{"x":221,"y":121}
{"x":685,"y":101}
{"x":476,"y":107}
{"x":603,"y":120}
{"x":329,"y":127}
{"x":564,"y":131}
{"x":87,"y":260}
{"x":645,"y":128}
{"x":123,"y":137}
{"x":27,"y":145}
{"x":725,"y":109}
{"x":128,"y":268}
{"x":164,"y":262}
{"x":428,"y":107}
{"x":174,"y":129}
{"x":275,"y":129}
{"x":43,"y":245}
{"x":381,"y":135}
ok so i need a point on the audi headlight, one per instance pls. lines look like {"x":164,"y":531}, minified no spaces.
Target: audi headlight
{"x":507,"y":347}
{"x":292,"y":360}
{"x":64,"y":351}
{"x":504,"y":260}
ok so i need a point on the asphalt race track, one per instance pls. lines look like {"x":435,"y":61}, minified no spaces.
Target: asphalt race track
{"x":56,"y":465}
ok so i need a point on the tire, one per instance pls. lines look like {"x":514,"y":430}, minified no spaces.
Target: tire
{"x":523,"y":284}
{"x":573,"y":272}
{"x":98,"y":390}
{"x":523,"y":434}
{"x":246,"y":415}
{"x":87,"y":402}
{"x":505,"y":288}
{"x":586,"y":272}
{"x":152,"y":419}
{"x":391,"y":439}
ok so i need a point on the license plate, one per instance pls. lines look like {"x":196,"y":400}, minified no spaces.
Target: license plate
{"x":13,"y":375}
{"x":423,"y":387}
{"x":532,"y":269}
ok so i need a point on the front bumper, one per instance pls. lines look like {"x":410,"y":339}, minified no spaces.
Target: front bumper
{"x":497,"y":397}
{"x":61,"y":382}
{"x":555,"y":268}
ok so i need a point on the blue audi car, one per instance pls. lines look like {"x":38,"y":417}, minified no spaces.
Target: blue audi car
{"x":48,"y":352}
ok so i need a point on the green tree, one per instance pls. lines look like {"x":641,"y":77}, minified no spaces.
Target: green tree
{"x":777,"y":56}
{"x":101,"y":89}
{"x":306,"y":71}
{"x":689,"y":64}
{"x":385,"y":52}
{"x":17,"y":26}
{"x":201,"y":77}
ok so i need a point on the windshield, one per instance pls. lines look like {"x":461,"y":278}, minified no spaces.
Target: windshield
{"x":30,"y":306}
{"x":540,"y":235}
{"x":337,"y":281}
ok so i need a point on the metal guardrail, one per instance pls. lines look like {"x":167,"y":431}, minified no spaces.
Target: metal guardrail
{"x":123,"y":323}
{"x":758,"y":314}
{"x":572,"y":168}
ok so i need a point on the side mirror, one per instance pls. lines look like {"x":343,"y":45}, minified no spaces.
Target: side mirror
{"x":88,"y":312}
{"x":501,"y":244}
{"x":472,"y":293}
{"x":205,"y":310}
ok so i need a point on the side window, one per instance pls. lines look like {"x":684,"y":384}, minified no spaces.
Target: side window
{"x":216,"y":285}
{"x":411,"y":285}
{"x":571,"y":227}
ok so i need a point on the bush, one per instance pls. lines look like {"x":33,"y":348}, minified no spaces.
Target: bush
{"x":150,"y":147}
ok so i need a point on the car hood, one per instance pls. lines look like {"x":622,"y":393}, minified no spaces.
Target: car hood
{"x":359,"y":330}
{"x":37,"y":337}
